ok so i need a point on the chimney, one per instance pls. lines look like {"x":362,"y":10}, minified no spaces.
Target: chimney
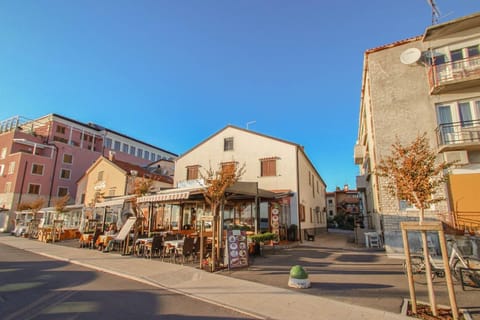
{"x":345,"y":187}
{"x":111,"y":155}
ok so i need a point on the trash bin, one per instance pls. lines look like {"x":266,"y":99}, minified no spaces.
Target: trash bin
{"x":292,"y":233}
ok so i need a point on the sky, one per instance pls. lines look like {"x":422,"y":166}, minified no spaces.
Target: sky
{"x":173,"y":73}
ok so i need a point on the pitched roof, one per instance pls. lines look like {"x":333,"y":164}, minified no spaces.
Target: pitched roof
{"x":141,"y":172}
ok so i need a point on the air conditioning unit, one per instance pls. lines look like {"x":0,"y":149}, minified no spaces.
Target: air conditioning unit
{"x":458,"y":157}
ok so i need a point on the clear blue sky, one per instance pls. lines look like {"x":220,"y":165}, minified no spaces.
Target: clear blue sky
{"x":174,"y":72}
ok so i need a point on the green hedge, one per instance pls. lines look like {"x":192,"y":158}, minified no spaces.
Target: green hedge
{"x":264,"y":237}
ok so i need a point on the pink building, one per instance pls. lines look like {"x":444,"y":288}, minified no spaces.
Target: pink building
{"x":46,"y":157}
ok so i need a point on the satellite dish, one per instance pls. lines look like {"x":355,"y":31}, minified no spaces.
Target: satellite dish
{"x":410,"y":56}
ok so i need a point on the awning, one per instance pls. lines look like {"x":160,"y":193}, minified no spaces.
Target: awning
{"x":164,"y":197}
{"x":110,"y":203}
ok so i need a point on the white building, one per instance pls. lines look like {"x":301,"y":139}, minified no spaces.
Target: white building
{"x":276,"y":165}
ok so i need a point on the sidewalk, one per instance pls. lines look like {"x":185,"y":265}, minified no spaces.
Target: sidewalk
{"x":252,"y":298}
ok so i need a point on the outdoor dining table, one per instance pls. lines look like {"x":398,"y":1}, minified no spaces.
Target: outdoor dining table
{"x":174,"y":243}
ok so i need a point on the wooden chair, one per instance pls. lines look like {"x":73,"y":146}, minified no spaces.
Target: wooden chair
{"x":186,"y":251}
{"x":153,"y":247}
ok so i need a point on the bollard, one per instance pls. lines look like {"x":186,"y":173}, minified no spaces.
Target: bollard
{"x":298,"y":278}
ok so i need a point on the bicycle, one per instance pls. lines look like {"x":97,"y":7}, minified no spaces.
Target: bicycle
{"x":464,"y":269}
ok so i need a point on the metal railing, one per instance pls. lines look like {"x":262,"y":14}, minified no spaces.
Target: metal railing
{"x":454,"y":71}
{"x":458,"y":132}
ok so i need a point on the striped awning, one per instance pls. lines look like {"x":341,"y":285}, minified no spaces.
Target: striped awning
{"x":164,"y":197}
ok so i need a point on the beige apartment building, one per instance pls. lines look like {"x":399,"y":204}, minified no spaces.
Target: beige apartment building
{"x":427,"y":84}
{"x":275,"y":165}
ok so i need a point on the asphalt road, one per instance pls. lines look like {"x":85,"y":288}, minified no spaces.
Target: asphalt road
{"x":340,"y":270}
{"x":36,"y":287}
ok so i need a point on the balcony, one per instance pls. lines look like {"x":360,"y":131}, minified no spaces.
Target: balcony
{"x":463,"y":135}
{"x":359,"y":152}
{"x":452,"y":76}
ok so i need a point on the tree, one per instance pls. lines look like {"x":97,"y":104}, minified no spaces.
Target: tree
{"x":61,"y":203}
{"x":34,"y":206}
{"x":414,"y":175}
{"x":217,"y":182}
{"x":142,"y":187}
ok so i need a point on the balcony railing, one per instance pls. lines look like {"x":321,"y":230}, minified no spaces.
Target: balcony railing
{"x":453,"y":74}
{"x":464,"y":132}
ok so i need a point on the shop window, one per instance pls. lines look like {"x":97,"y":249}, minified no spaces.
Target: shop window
{"x":268,"y":167}
{"x":228,"y":144}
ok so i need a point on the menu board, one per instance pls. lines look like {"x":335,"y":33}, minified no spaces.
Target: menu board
{"x":237,"y":249}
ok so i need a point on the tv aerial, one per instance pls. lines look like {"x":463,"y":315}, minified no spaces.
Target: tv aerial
{"x":435,"y":11}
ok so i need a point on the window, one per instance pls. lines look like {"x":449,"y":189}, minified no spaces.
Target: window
{"x":65,"y":174}
{"x":311,"y":215}
{"x":152,"y":157}
{"x":111,"y":192}
{"x":192,"y":172}
{"x":108,"y":143}
{"x":302,"y":213}
{"x":330,"y":201}
{"x":146,"y":155}
{"x":3,"y":155}
{"x":139,"y":153}
{"x":8,"y":187}
{"x":132,"y":150}
{"x":100,"y":176}
{"x":60,"y":129}
{"x":116,"y":146}
{"x":67,"y":158}
{"x":11,"y":167}
{"x":465,"y":112}
{"x":125,"y":148}
{"x":228,"y":144}
{"x":2,"y":169}
{"x":37,"y":169}
{"x":228,"y":167}
{"x":268,"y":167}
{"x":34,"y":188}
{"x":62,"y":191}
{"x":404,"y":205}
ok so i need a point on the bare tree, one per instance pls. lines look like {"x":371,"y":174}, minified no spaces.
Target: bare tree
{"x":217,"y":182}
{"x":414,"y":175}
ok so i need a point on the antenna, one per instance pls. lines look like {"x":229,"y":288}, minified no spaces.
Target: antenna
{"x":250,"y":122}
{"x":435,"y":11}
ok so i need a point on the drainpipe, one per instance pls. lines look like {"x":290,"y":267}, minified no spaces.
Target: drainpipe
{"x":22,"y":184}
{"x":53,"y":175}
{"x":298,"y":200}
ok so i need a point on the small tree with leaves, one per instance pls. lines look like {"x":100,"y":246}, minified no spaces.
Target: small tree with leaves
{"x":414,"y":175}
{"x":217,"y":182}
{"x":34,"y":206}
{"x":61,"y":204}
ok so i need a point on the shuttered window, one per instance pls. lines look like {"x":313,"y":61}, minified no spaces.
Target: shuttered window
{"x":228,"y":167}
{"x":268,"y":167}
{"x":192,"y":172}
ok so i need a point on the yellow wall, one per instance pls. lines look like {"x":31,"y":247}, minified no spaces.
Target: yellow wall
{"x":465,"y":194}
